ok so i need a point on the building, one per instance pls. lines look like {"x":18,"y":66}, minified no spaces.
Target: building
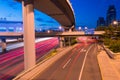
{"x":10,"y":26}
{"x":111,"y":15}
{"x":119,"y":23}
{"x":100,"y":22}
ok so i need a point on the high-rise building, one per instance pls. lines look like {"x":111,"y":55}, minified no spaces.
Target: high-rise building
{"x":100,"y":21}
{"x":111,"y":15}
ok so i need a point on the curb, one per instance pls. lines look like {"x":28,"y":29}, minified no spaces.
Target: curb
{"x":99,"y":47}
{"x":108,"y":71}
{"x":100,"y":69}
{"x":110,"y":53}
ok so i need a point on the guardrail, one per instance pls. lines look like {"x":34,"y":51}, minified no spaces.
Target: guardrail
{"x":110,"y":53}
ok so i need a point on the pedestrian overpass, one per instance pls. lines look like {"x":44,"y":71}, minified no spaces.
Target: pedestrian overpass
{"x":14,"y":35}
{"x":73,"y":33}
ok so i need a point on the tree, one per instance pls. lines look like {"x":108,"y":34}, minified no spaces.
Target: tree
{"x":100,"y":28}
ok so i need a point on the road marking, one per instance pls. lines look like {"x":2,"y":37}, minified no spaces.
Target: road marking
{"x":72,"y":64}
{"x":83,"y":50}
{"x":66,"y":63}
{"x":84,"y":63}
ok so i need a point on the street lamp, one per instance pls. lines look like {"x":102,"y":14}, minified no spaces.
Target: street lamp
{"x":86,"y":28}
{"x":40,"y":29}
{"x":115,"y":23}
{"x":86,"y":32}
{"x":48,"y":31}
{"x":79,"y":28}
{"x":60,"y":27}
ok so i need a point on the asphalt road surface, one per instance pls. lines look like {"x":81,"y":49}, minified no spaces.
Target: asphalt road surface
{"x":78,"y":64}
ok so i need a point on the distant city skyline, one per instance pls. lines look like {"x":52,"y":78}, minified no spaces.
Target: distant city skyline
{"x":86,"y":12}
{"x":110,"y":17}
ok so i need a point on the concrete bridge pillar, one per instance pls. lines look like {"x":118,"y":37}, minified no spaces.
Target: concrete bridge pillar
{"x":29,"y":33}
{"x":70,"y":30}
{"x":3,"y":45}
{"x":61,"y":42}
{"x":69,"y":41}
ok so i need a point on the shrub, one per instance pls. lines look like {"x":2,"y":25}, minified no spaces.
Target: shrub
{"x":115,"y":45}
{"x":107,"y":41}
{"x":73,"y":42}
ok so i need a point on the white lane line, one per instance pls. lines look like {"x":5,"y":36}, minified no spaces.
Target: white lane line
{"x":83,"y":50}
{"x":84,"y":63}
{"x":66,"y":63}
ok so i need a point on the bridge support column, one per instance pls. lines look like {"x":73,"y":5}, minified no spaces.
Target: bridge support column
{"x":3,"y":45}
{"x":29,"y":34}
{"x":69,"y":41}
{"x":61,"y":42}
{"x":70,"y":30}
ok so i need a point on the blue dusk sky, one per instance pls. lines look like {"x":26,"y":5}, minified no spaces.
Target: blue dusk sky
{"x":86,"y":12}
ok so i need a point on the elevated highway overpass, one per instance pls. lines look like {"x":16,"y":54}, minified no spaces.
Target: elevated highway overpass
{"x":60,"y":10}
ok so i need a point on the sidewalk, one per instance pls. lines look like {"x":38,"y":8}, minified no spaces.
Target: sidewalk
{"x":110,"y":68}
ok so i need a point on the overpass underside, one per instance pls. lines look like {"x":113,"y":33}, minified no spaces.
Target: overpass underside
{"x":59,"y":10}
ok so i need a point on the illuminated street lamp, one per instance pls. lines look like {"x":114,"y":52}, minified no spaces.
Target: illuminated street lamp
{"x":79,"y":28}
{"x":48,"y":31}
{"x":60,"y":28}
{"x":86,"y":28}
{"x":115,"y":23}
{"x":86,"y":32}
{"x":40,"y":29}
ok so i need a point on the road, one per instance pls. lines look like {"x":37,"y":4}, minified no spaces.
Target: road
{"x":15,"y":45}
{"x":12,"y":62}
{"x":78,"y":64}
